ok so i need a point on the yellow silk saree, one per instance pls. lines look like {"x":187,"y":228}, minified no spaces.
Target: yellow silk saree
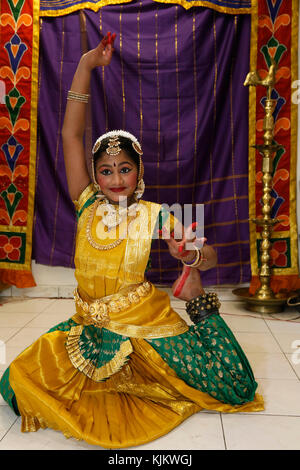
{"x":126,"y":368}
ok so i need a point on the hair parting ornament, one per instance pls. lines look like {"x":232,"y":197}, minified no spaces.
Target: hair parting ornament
{"x":114,"y":149}
{"x":113,"y":137}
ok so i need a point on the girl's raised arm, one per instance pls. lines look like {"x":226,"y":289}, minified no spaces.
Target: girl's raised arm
{"x":75,"y":117}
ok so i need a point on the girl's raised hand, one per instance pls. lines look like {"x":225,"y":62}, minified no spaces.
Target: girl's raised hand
{"x":102,"y":54}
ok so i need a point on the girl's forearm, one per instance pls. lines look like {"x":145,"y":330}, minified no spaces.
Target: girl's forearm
{"x":75,"y":115}
{"x":82,"y":76}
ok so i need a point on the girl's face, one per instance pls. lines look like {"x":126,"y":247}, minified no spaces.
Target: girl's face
{"x":117,"y":176}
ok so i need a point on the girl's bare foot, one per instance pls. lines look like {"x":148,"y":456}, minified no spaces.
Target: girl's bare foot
{"x":188,"y":285}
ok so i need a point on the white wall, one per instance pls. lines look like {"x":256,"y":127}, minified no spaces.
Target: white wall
{"x":51,"y":282}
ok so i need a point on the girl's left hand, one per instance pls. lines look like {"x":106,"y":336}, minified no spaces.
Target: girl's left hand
{"x":181,"y":249}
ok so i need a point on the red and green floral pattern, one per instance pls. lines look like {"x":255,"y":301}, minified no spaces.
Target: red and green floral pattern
{"x":276,"y":37}
{"x":18,"y":101}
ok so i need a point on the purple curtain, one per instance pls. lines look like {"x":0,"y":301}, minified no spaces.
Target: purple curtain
{"x":176,"y":82}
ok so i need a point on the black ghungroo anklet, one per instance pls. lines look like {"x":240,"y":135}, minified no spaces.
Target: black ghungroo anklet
{"x":203,"y":306}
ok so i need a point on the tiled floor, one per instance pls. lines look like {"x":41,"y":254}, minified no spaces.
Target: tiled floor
{"x":267,"y":340}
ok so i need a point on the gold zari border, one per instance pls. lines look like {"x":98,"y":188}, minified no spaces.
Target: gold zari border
{"x":102,"y":3}
{"x":86,"y":366}
{"x":147,"y":332}
{"x":252,"y":142}
{"x":89,"y":5}
{"x":293,"y":147}
{"x":200,"y":3}
{"x":33,"y":133}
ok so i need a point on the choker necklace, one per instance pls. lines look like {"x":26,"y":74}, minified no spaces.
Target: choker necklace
{"x":111,"y":218}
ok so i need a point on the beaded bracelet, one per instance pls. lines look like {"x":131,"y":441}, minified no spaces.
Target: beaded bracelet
{"x":75,"y":96}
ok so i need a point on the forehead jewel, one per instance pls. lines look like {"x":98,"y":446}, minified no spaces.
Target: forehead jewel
{"x":113,"y":147}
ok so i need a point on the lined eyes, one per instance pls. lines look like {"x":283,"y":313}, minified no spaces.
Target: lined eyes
{"x":107,"y":171}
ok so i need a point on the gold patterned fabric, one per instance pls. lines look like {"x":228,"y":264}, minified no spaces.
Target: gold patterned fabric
{"x":96,"y":352}
{"x":109,"y":385}
{"x":143,"y":401}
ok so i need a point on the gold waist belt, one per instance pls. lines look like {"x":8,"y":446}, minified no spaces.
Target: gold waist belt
{"x":96,"y":312}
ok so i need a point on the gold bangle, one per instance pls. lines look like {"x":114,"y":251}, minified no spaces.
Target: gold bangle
{"x":75,"y":96}
{"x":194,"y":263}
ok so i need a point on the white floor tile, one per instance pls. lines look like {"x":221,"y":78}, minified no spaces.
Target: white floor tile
{"x":245,"y":323}
{"x":15,"y":320}
{"x":271,"y":366}
{"x":58,"y":311}
{"x":19,"y":305}
{"x":7,"y":418}
{"x":225,"y":293}
{"x":288,"y":342}
{"x":6,"y":333}
{"x":202,"y":431}
{"x":232,"y":307}
{"x":278,"y":326}
{"x":43,"y":439}
{"x":48,"y":320}
{"x":280,"y":397}
{"x":294,"y":360}
{"x":25,"y":337}
{"x":261,"y":432}
{"x":257,"y":342}
{"x":66,"y":307}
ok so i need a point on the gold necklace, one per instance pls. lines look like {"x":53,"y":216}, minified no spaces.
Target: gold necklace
{"x":111,"y":216}
{"x":91,"y":241}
